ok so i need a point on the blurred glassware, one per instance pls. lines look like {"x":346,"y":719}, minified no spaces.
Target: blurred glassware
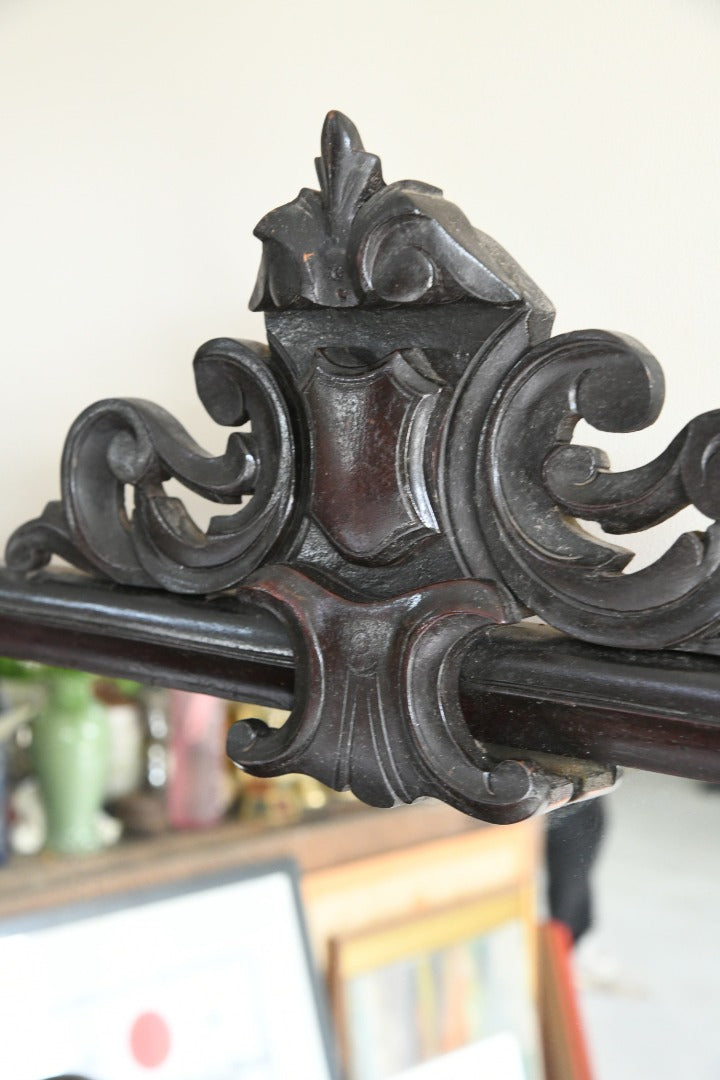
{"x":197,"y":789}
{"x":71,"y":755}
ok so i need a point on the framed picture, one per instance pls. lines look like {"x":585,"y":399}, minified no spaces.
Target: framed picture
{"x":207,"y":980}
{"x":446,"y":994}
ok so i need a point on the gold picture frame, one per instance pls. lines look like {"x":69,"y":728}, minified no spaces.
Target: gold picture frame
{"x":421,"y":988}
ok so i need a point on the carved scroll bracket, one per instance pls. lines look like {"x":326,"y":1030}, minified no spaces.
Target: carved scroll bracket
{"x":377,"y":702}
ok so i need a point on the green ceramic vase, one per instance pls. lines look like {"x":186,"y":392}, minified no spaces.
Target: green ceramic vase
{"x":71,"y":748}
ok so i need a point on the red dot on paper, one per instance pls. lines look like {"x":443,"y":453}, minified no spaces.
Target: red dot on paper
{"x":150,"y":1040}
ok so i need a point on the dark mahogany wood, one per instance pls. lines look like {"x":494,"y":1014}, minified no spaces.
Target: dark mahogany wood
{"x":232,"y":649}
{"x":406,"y":494}
{"x":530,"y":686}
{"x":525,"y":686}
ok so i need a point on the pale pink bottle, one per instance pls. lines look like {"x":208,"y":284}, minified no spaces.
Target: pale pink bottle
{"x":196,"y":766}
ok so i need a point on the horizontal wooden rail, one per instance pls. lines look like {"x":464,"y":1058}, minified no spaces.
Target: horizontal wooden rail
{"x":221,"y":647}
{"x":532,"y":687}
{"x":524,"y":686}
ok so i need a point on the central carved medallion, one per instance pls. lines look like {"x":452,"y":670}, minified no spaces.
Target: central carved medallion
{"x":371,"y":434}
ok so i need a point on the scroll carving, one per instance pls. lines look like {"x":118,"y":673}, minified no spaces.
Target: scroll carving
{"x":561,"y":572}
{"x":407,"y":480}
{"x":133,"y":443}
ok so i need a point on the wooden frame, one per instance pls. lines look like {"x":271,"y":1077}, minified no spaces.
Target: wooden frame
{"x":564,"y":1044}
{"x":411,"y":976}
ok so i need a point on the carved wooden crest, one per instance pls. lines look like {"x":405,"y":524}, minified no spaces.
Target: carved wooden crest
{"x":408,"y":480}
{"x":370,"y":428}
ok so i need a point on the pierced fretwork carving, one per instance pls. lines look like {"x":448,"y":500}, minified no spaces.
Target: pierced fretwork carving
{"x":408,"y":479}
{"x":117,"y":443}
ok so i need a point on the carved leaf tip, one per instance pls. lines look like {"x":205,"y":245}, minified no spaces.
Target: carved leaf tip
{"x":339,"y":131}
{"x":348,"y":175}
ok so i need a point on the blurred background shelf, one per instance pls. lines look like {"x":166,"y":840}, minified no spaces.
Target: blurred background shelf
{"x":317,"y":842}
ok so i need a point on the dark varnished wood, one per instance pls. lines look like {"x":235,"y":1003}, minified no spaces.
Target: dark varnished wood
{"x":374,"y":709}
{"x":534,"y":687}
{"x":234,"y":650}
{"x":407,"y":493}
{"x":528,"y":687}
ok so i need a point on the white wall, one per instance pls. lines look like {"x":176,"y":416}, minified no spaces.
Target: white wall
{"x":141,"y":141}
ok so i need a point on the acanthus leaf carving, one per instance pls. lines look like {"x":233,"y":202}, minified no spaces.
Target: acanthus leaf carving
{"x":119,"y":443}
{"x":530,"y":478}
{"x":685,"y":474}
{"x":361,"y":242}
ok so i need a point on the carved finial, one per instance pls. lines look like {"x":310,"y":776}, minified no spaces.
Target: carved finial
{"x":348,"y":175}
{"x":361,"y":242}
{"x":306,"y":243}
